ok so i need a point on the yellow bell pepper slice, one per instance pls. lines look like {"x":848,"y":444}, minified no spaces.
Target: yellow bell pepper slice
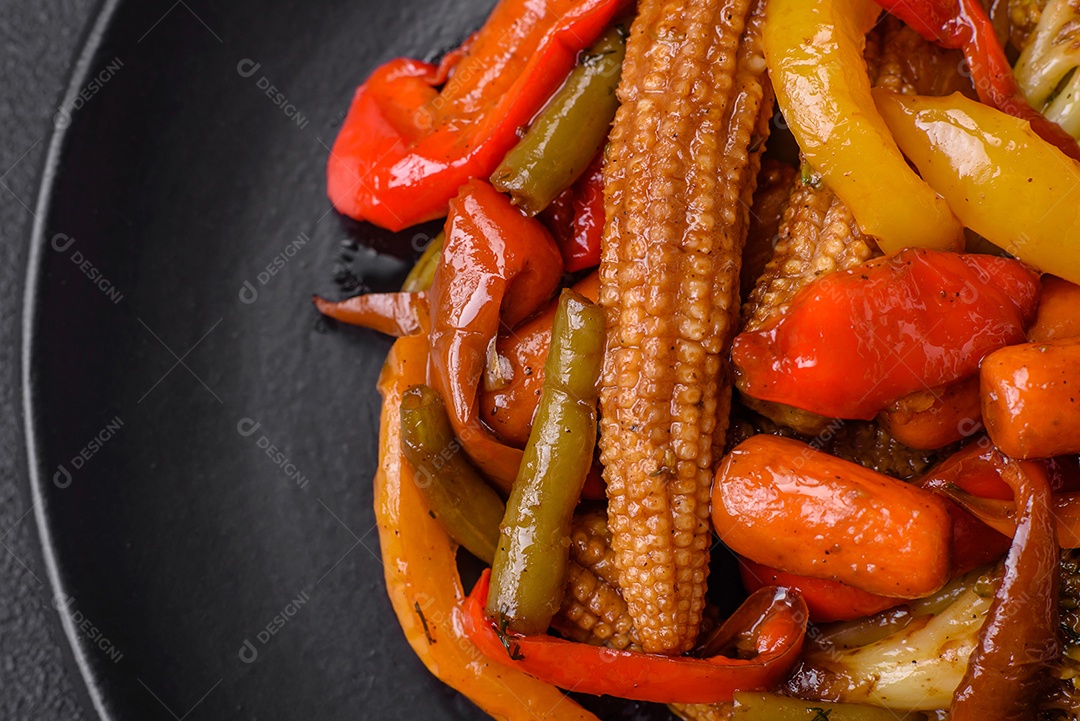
{"x":1001,"y":179}
{"x":421,"y":572}
{"x":813,"y":49}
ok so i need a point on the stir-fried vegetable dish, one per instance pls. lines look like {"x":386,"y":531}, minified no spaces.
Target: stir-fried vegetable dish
{"x":747,"y":362}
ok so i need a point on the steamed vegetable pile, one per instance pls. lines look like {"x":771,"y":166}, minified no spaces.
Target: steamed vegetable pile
{"x":647,"y":334}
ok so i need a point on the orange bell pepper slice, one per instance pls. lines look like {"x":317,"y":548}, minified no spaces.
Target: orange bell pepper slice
{"x":419,"y":562}
{"x":396,"y":314}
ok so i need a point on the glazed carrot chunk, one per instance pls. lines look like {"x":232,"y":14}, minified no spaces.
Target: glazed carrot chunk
{"x":1031,"y":398}
{"x":786,"y":505}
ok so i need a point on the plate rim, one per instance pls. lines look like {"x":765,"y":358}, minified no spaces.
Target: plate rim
{"x":76,"y":647}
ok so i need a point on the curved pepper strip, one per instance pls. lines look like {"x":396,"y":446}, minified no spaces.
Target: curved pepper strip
{"x":396,"y":314}
{"x":497,"y":266}
{"x":854,"y":341}
{"x":421,"y":572}
{"x":1005,"y":182}
{"x":964,"y":24}
{"x":1009,"y":669}
{"x":1001,"y":515}
{"x":972,"y":472}
{"x":405,"y":148}
{"x":971,"y":478}
{"x":775,"y":617}
{"x":814,"y":52}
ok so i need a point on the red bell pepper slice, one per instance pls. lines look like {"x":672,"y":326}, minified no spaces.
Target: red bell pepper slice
{"x":594,"y":489}
{"x":775,"y":618}
{"x":497,"y":267}
{"x":855,"y":341}
{"x":826,"y":600}
{"x":583,"y":249}
{"x":964,"y":24}
{"x":1064,"y":473}
{"x":576,"y":218}
{"x":558,"y":218}
{"x":405,"y":148}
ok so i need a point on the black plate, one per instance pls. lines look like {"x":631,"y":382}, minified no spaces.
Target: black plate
{"x":201,"y":446}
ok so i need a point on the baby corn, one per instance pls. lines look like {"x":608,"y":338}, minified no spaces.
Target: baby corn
{"x":818,"y":234}
{"x":1023,"y":17}
{"x":862,"y":442}
{"x":909,"y":64}
{"x":871,"y":446}
{"x":774,"y":185}
{"x":593,"y":610}
{"x":590,"y":545}
{"x":682,"y":161}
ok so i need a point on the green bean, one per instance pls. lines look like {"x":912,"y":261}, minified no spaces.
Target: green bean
{"x":754,"y":706}
{"x":864,"y":631}
{"x":468,"y":508}
{"x":528,"y":577}
{"x":567,"y":134}
{"x":421,"y":275}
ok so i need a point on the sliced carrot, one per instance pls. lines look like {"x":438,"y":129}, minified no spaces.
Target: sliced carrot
{"x":787,"y":505}
{"x":1031,"y":398}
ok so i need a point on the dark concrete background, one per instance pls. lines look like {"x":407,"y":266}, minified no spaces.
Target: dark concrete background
{"x":39,"y":42}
